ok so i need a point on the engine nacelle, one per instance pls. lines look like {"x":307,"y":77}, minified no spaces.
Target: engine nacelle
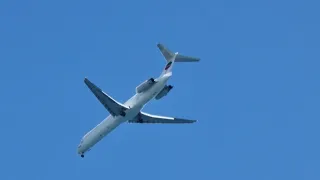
{"x":145,"y":85}
{"x":163,"y":92}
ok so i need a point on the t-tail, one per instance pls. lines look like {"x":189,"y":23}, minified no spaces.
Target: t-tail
{"x":171,"y":58}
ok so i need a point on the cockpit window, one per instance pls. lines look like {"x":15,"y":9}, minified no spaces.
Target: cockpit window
{"x":80,"y":143}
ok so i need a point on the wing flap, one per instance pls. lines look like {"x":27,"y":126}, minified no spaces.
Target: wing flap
{"x":115,"y":108}
{"x":143,"y":117}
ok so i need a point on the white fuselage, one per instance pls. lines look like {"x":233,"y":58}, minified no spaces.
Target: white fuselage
{"x":135,"y":104}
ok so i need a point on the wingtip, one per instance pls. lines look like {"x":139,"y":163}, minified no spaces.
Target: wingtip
{"x":86,"y":80}
{"x":89,"y":83}
{"x":160,"y":45}
{"x":188,"y":121}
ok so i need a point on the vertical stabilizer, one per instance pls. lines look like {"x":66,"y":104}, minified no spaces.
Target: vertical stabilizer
{"x":168,"y":68}
{"x":167,"y":54}
{"x":173,"y":57}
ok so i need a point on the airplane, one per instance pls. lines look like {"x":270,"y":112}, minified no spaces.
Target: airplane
{"x":130,"y":111}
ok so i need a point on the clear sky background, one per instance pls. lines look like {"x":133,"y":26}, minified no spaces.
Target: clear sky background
{"x":255,"y":92}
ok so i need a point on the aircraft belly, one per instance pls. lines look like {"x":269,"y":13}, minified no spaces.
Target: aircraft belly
{"x":109,"y":124}
{"x":103,"y":129}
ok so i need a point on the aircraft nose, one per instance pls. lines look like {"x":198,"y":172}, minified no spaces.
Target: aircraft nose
{"x":79,"y":149}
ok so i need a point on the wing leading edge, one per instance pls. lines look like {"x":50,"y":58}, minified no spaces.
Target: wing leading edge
{"x":143,"y":117}
{"x":115,"y":108}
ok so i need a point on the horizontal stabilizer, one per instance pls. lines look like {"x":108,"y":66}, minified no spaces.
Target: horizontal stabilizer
{"x":115,"y":108}
{"x":182,"y":58}
{"x":169,"y":55}
{"x":143,"y":117}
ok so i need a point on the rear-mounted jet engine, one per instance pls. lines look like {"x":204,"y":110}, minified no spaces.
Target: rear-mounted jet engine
{"x":145,"y":85}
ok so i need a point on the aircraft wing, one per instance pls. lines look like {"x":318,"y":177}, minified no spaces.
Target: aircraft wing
{"x":143,"y":117}
{"x":115,"y":108}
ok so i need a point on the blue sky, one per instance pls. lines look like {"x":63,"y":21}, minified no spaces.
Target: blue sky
{"x":255,"y":92}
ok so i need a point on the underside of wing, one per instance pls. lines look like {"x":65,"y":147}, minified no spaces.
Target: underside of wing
{"x":115,"y":108}
{"x":143,"y":117}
